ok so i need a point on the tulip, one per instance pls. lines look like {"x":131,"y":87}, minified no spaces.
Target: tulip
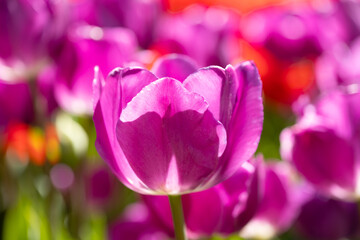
{"x":137,"y":15}
{"x":163,"y":136}
{"x":339,"y":67}
{"x":322,"y":218}
{"x":227,"y":206}
{"x":296,"y":31}
{"x":100,"y":186}
{"x":15,"y":103}
{"x":280,"y":205}
{"x":324,"y":144}
{"x":216,"y":30}
{"x":30,"y":33}
{"x":87,"y":47}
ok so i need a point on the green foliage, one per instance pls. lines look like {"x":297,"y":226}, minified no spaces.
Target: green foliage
{"x":275,"y":120}
{"x":26,"y":220}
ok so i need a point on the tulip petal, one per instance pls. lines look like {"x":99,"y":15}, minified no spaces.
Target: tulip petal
{"x":196,"y":206}
{"x":175,"y":66}
{"x":121,"y":85}
{"x":247,"y":119}
{"x":234,"y":97}
{"x":169,"y":138}
{"x":213,"y":84}
{"x":325,"y":160}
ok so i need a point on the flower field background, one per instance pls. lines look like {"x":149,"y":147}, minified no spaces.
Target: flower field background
{"x":247,"y":112}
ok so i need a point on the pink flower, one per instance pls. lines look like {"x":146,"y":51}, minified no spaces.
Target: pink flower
{"x":172,"y":136}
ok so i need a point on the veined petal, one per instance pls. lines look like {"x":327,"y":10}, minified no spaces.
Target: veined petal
{"x":245,"y":125}
{"x":326,"y":160}
{"x":169,"y":138}
{"x":121,"y":85}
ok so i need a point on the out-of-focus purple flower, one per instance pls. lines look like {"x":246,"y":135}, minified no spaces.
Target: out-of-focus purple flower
{"x":99,"y":185}
{"x":208,"y":35}
{"x":29,"y":33}
{"x":288,"y":33}
{"x":324,"y":144}
{"x":350,"y":10}
{"x":15,"y":103}
{"x":328,"y":219}
{"x":227,"y":206}
{"x":339,"y":67}
{"x":136,"y":224}
{"x":138,"y":15}
{"x":87,"y":47}
{"x":280,"y":205}
{"x":165,"y":136}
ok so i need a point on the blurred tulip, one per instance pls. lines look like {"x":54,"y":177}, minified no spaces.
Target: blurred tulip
{"x":328,"y":219}
{"x":89,"y":46}
{"x":32,"y":143}
{"x":99,"y":186}
{"x":287,"y":34}
{"x":216,"y":31}
{"x":29,"y":34}
{"x":15,"y":103}
{"x":138,"y":16}
{"x":339,"y":67}
{"x":227,"y":206}
{"x":201,"y":130}
{"x":280,"y":205}
{"x":324,"y":144}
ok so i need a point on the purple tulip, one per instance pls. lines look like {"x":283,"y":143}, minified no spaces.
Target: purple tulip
{"x":339,"y":67}
{"x":99,"y":186}
{"x":224,"y":209}
{"x":165,"y":136}
{"x":30,"y":32}
{"x":280,"y":205}
{"x":89,"y":46}
{"x":15,"y":103}
{"x":324,"y":144}
{"x":328,"y":219}
{"x":137,"y":15}
{"x":216,"y":31}
{"x":296,"y":31}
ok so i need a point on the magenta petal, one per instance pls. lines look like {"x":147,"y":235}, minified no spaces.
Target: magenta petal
{"x":98,"y":84}
{"x":169,"y":138}
{"x":15,"y":103}
{"x":325,"y":160}
{"x":121,"y":85}
{"x":175,"y":66}
{"x":234,"y":97}
{"x":203,"y":212}
{"x":209,"y":82}
{"x":246,"y":122}
{"x":243,"y":190}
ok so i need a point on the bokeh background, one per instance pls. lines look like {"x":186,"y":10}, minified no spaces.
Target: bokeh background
{"x":54,"y":185}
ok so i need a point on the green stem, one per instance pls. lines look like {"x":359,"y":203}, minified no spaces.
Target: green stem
{"x":178,"y":217}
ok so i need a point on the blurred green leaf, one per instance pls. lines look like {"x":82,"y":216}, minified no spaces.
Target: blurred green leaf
{"x":275,"y":120}
{"x":95,"y":228}
{"x":233,"y":237}
{"x":26,"y":220}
